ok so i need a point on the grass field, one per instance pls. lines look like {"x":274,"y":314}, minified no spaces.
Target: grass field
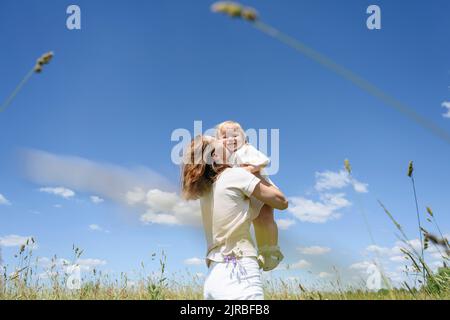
{"x":150,"y":291}
{"x":26,"y":283}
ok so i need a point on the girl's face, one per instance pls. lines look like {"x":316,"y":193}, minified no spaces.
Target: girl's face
{"x":221,"y":153}
{"x":232,"y":136}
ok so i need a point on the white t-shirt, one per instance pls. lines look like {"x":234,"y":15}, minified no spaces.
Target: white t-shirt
{"x":227,"y":216}
{"x":248,"y":154}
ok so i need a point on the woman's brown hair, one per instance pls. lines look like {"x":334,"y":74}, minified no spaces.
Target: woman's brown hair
{"x":198,"y":171}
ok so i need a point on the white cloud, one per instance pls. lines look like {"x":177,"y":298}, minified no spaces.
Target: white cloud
{"x":379,"y":250}
{"x":324,"y":275}
{"x":314,"y":250}
{"x":135,"y":196}
{"x":13,"y":240}
{"x":43,"y":261}
{"x":102,"y":179}
{"x":284,"y":224}
{"x":329,"y":203}
{"x":165,"y":207}
{"x":396,"y":250}
{"x":301,"y":264}
{"x":394,"y":254}
{"x":446,"y":104}
{"x":437,"y":253}
{"x":3,"y":200}
{"x":96,"y":227}
{"x":293,"y":279}
{"x":318,"y":211}
{"x":385,"y":251}
{"x":46,"y":275}
{"x":84,"y":264}
{"x":361,"y":266}
{"x":159,"y":218}
{"x":360,"y":186}
{"x":281,"y":266}
{"x":400,"y":258}
{"x":329,"y":180}
{"x":435,"y":265}
{"x":59,"y":191}
{"x":395,"y":277}
{"x":96,"y":199}
{"x":415,"y":244}
{"x":404,"y":268}
{"x":48,"y":263}
{"x":139,"y":187}
{"x":194,"y":261}
{"x":394,"y":263}
{"x":88,"y":264}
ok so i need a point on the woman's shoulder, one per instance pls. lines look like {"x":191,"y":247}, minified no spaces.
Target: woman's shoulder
{"x":236,"y":180}
{"x":234,"y":175}
{"x":233,"y":171}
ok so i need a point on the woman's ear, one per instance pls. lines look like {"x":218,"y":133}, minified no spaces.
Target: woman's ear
{"x":220,"y":155}
{"x":214,"y":156}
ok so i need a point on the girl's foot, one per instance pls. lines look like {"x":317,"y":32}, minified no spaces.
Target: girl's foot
{"x":270,"y":257}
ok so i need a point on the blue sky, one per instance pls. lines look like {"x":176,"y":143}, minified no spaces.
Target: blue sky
{"x":137,"y":70}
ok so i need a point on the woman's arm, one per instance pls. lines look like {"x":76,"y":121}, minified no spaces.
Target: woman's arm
{"x":269,"y":194}
{"x":251,"y":168}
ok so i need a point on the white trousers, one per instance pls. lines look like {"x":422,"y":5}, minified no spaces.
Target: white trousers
{"x":234,"y":280}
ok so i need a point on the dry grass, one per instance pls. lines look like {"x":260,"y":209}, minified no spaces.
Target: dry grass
{"x":25,"y":283}
{"x":20,"y":285}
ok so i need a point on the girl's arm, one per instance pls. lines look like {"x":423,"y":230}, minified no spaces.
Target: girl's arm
{"x":252,"y":168}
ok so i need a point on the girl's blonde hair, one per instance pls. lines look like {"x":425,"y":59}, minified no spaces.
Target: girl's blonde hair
{"x":220,"y":127}
{"x":198,"y":171}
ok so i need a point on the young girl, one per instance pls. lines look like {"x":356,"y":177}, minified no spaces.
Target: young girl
{"x":248,"y":157}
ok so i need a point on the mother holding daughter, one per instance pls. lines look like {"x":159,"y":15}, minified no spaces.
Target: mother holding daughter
{"x":231,"y":197}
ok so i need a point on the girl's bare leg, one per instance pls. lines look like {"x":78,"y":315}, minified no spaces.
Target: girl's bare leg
{"x":266,"y":230}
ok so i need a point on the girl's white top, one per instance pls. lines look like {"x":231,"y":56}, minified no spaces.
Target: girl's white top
{"x":248,"y":154}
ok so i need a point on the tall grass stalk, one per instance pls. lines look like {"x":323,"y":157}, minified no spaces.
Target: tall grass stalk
{"x":378,"y":263}
{"x":411,"y":175}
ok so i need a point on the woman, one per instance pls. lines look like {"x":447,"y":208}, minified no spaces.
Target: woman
{"x":224,"y":194}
